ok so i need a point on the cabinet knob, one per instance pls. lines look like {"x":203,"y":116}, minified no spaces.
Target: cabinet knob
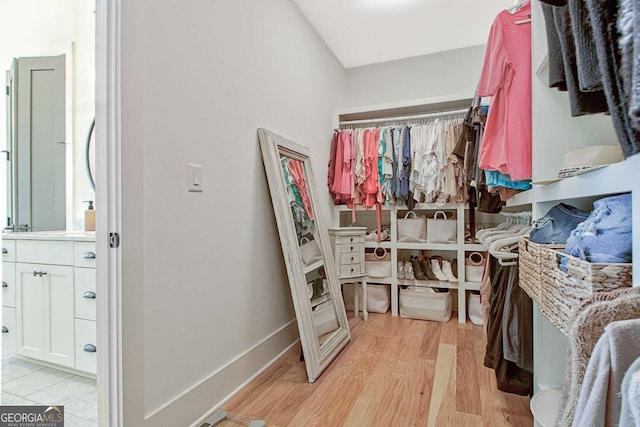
{"x":351,"y":239}
{"x":89,"y":295}
{"x":5,"y":330}
{"x":352,"y":259}
{"x":5,"y":251}
{"x":4,"y":284}
{"x":89,"y":348}
{"x":89,"y":255}
{"x":351,"y":247}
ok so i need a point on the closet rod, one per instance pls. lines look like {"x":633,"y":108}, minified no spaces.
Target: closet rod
{"x":404,"y":118}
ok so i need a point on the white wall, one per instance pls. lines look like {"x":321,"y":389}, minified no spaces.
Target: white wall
{"x":204,"y":282}
{"x":48,"y":28}
{"x":439,"y":74}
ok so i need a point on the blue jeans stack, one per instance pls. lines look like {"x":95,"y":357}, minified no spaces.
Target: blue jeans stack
{"x":556,"y":225}
{"x":605,"y":236}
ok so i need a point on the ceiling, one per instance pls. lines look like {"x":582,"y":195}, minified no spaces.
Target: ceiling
{"x":361,"y":32}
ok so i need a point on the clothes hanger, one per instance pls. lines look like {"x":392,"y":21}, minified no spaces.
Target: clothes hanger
{"x":502,"y":248}
{"x":513,"y":9}
{"x":517,"y":6}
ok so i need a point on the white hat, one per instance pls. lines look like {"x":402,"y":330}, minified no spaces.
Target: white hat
{"x":583,"y":160}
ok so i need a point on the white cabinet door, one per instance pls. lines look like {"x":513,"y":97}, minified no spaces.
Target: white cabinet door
{"x":45,"y":312}
{"x":29,"y":311}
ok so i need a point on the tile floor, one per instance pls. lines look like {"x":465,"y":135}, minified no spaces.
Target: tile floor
{"x":26,"y":383}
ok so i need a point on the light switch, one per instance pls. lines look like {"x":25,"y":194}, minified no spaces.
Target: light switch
{"x":194,"y":177}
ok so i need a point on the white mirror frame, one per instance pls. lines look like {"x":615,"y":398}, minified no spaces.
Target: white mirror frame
{"x":317,"y":357}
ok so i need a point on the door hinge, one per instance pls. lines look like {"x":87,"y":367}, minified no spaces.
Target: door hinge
{"x":114,"y":240}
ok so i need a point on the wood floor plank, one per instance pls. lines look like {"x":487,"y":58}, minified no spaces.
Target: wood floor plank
{"x":362,"y":413}
{"x":394,"y":372}
{"x":431,"y":340}
{"x":467,"y":388}
{"x":442,"y":403}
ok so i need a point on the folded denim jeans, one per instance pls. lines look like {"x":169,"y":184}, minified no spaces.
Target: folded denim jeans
{"x":605,"y":236}
{"x":556,"y":225}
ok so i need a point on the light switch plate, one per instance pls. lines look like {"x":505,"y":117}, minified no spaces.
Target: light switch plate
{"x":194,"y":178}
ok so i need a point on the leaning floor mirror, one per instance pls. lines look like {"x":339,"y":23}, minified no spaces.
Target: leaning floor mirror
{"x":317,"y":300}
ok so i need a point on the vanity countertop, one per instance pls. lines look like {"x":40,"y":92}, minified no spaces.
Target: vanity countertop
{"x":82,"y":236}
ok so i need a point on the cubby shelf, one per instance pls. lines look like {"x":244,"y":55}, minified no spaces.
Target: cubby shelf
{"x":450,"y":250}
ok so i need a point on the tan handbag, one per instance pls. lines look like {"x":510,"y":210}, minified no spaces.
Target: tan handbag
{"x":441,"y":230}
{"x":412,"y":229}
{"x":378,"y":263}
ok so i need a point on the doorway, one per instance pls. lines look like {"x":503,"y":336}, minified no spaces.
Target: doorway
{"x":41,"y":29}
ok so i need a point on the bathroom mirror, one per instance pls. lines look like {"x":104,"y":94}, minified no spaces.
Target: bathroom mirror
{"x":317,"y":300}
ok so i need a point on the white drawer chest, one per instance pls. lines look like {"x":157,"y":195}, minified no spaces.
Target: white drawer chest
{"x":49,"y":301}
{"x":347,"y":244}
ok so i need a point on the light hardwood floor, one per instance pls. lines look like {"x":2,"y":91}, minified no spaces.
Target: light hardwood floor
{"x":394,"y":372}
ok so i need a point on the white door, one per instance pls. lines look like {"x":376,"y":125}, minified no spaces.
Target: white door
{"x":38,"y":156}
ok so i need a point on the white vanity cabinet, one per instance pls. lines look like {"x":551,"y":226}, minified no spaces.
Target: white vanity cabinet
{"x":55,"y":298}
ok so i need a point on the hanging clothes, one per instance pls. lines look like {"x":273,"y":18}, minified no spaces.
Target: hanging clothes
{"x":506,"y":78}
{"x":399,"y":165}
{"x":296,"y":169}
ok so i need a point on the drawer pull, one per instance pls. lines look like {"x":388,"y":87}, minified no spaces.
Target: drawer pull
{"x":5,"y":251}
{"x":89,"y":348}
{"x":39,"y":273}
{"x":5,"y":330}
{"x":351,"y":247}
{"x":352,"y":259}
{"x":4,"y":284}
{"x":352,"y":270}
{"x":89,"y":295}
{"x":351,"y":240}
{"x":89,"y":255}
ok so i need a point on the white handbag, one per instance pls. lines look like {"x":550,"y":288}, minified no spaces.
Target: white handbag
{"x":324,"y":318}
{"x":412,"y":229}
{"x":310,"y":251}
{"x":441,"y":230}
{"x":474,"y":267}
{"x":378,"y":263}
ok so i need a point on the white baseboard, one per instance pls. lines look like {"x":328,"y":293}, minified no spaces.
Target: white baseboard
{"x":212,"y":392}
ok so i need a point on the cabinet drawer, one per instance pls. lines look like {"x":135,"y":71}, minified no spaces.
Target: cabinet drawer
{"x":351,"y":248}
{"x":8,"y":325}
{"x":84,"y":254}
{"x":57,"y":252}
{"x":8,"y":284}
{"x":85,"y":293}
{"x":8,"y":250}
{"x":350,"y":270}
{"x":347,"y":240}
{"x":350,"y":258}
{"x":86,"y":359}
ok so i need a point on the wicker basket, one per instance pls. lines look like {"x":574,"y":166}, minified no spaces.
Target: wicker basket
{"x":562,"y":292}
{"x":530,"y":268}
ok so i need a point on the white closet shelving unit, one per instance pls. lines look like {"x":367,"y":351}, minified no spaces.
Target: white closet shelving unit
{"x":342,"y":216}
{"x":457,"y":250}
{"x":554,"y":133}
